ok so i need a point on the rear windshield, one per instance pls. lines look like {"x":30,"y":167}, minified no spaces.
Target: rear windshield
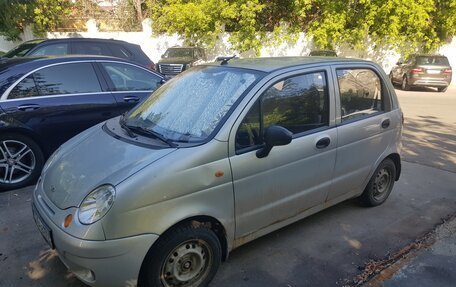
{"x":20,"y":50}
{"x":432,"y":60}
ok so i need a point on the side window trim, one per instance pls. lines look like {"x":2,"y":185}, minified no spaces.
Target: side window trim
{"x":256,"y":99}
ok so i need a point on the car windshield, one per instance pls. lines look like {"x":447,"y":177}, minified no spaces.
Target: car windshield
{"x":192,"y":105}
{"x":432,"y":60}
{"x":179,"y":53}
{"x":20,"y":50}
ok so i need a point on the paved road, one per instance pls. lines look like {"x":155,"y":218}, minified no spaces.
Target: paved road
{"x":326,"y":249}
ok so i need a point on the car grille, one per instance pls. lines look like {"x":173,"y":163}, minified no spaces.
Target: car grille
{"x":170,"y":69}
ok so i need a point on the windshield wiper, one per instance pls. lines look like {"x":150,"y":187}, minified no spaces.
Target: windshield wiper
{"x":124,"y":125}
{"x":142,"y":130}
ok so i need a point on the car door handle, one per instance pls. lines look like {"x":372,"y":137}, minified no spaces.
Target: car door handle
{"x":385,"y":123}
{"x":29,"y":107}
{"x":322,"y":143}
{"x":131,"y":99}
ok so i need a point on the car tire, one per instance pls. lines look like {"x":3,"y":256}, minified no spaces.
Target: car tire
{"x":21,"y":161}
{"x":391,"y":78}
{"x":405,"y":85}
{"x":380,"y":185}
{"x":442,"y":89}
{"x":188,"y":255}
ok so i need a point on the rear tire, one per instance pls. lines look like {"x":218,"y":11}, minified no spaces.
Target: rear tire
{"x":442,"y":89}
{"x":391,"y":78}
{"x":21,"y":161}
{"x":405,"y":85}
{"x":187,"y":256}
{"x":380,"y":185}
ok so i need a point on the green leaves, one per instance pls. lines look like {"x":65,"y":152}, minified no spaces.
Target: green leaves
{"x":406,"y":26}
{"x":46,"y":15}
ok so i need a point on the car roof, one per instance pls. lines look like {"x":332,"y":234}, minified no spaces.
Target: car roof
{"x":270,"y":64}
{"x":39,"y":41}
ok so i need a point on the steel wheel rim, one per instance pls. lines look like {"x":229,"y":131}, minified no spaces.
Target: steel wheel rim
{"x":17,"y":161}
{"x":382,"y":184}
{"x":187,"y":265}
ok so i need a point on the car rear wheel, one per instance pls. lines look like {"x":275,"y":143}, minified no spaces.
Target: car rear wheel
{"x":391,"y":77}
{"x":405,"y":84}
{"x":442,"y":89}
{"x":21,"y":161}
{"x":188,"y":256}
{"x":380,"y":184}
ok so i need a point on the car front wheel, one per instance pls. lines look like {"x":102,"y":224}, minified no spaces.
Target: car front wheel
{"x":188,"y":256}
{"x":21,"y":161}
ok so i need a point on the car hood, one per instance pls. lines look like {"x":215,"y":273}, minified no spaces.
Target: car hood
{"x":92,"y":159}
{"x":183,"y":60}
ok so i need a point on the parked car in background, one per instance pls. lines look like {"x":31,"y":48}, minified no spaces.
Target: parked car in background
{"x":178,"y":59}
{"x":46,"y":101}
{"x":217,"y":157}
{"x":82,"y":46}
{"x":422,"y":71}
{"x":323,"y":53}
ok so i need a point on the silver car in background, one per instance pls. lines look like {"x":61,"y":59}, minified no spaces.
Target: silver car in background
{"x":218,"y":156}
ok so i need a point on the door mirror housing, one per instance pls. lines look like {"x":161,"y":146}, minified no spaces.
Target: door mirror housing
{"x":274,"y":136}
{"x":400,"y":62}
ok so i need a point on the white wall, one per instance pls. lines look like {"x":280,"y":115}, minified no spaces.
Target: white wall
{"x":155,"y":46}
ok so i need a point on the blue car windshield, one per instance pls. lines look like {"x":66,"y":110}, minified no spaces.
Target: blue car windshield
{"x":190,"y":107}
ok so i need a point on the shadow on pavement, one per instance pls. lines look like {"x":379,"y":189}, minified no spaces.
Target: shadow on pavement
{"x":430,"y":142}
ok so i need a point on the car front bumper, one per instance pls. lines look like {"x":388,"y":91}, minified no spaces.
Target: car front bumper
{"x":110,"y":263}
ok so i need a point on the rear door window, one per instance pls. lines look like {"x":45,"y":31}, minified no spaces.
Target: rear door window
{"x":69,"y":78}
{"x":90,"y":48}
{"x":360,"y":93}
{"x":51,"y":50}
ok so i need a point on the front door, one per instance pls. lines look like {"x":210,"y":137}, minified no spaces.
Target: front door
{"x":294,"y":177}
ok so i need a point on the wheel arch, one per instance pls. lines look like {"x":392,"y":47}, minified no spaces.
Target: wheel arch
{"x":397,"y":162}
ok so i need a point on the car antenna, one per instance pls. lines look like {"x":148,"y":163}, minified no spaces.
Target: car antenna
{"x":226,"y":59}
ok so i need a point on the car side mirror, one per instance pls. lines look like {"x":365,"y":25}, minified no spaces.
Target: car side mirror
{"x":162,"y":56}
{"x":274,"y":136}
{"x":399,"y":63}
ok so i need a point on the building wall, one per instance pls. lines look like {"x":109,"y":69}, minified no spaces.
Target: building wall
{"x":155,"y":46}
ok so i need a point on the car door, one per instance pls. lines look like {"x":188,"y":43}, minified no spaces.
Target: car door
{"x":130,"y":84}
{"x":364,"y":126}
{"x":291,"y":178}
{"x":59,"y":101}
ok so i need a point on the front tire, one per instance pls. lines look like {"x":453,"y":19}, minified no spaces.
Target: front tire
{"x":380,"y":185}
{"x":187,"y":256}
{"x":21,"y":161}
{"x":442,"y":89}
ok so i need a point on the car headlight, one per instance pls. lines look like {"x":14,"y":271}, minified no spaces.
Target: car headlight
{"x":97,"y":204}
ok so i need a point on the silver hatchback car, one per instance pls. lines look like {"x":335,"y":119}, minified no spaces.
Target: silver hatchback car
{"x":220,"y":155}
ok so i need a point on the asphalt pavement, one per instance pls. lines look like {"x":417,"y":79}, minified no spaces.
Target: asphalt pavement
{"x":330,"y":248}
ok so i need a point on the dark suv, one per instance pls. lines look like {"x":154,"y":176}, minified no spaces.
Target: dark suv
{"x":179,"y":59}
{"x":424,"y":71}
{"x":82,"y":46}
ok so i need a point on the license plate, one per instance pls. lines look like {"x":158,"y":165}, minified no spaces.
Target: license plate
{"x":42,"y":227}
{"x":433,"y":71}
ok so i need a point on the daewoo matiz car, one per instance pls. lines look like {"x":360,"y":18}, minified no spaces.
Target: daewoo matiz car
{"x":220,"y":155}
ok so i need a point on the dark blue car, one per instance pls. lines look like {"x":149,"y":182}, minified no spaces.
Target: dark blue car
{"x":46,"y":101}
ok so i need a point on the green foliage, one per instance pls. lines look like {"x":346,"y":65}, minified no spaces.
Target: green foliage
{"x":46,"y":15}
{"x":407,"y":26}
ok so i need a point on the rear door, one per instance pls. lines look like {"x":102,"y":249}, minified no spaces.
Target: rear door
{"x":59,"y":101}
{"x":130,"y":84}
{"x":365,"y":127}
